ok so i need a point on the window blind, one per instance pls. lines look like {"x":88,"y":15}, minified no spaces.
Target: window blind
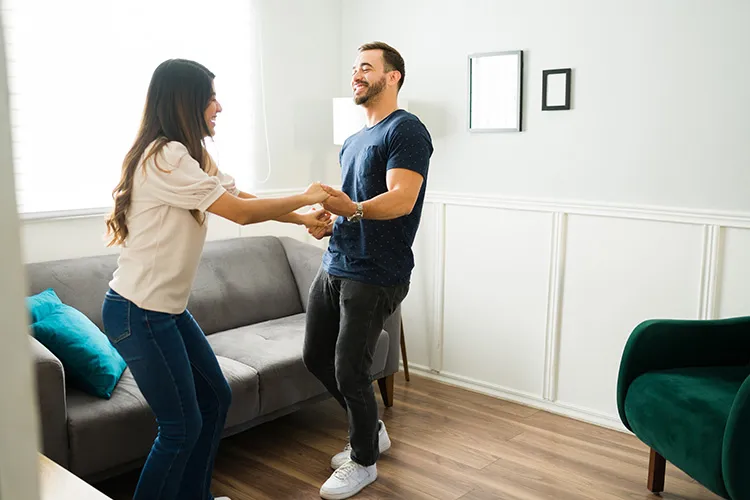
{"x":78,"y":75}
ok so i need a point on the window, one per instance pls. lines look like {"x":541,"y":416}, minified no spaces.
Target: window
{"x":78,"y":74}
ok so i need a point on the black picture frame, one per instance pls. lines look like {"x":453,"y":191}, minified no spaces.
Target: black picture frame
{"x":545,"y":87}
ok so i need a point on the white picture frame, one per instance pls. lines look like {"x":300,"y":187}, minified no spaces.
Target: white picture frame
{"x":495,"y":91}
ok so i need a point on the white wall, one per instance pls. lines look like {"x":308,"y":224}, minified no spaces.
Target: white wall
{"x":540,"y":251}
{"x":18,"y":420}
{"x":659,"y":94}
{"x":301,"y":67}
{"x":301,"y":47}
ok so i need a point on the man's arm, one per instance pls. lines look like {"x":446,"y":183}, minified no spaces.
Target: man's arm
{"x":409,"y":150}
{"x":403,"y":190}
{"x":309,"y":220}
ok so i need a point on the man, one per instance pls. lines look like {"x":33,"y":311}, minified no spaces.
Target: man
{"x":367,"y":268}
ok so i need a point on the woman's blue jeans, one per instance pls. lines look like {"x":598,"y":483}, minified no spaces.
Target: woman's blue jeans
{"x":179,"y":375}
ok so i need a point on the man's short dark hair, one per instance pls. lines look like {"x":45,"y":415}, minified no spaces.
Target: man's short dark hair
{"x":392,"y":60}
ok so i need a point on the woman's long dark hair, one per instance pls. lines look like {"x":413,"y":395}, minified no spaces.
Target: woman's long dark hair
{"x":179,"y":92}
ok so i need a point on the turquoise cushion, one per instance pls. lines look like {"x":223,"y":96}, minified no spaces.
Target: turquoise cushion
{"x":42,"y":304}
{"x":90,"y":361}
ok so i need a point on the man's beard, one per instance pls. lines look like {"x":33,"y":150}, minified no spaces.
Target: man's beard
{"x":372,"y":91}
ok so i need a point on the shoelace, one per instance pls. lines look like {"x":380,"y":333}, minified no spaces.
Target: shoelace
{"x":346,"y":470}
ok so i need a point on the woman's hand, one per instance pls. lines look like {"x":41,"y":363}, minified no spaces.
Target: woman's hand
{"x":316,"y":219}
{"x":315,"y":194}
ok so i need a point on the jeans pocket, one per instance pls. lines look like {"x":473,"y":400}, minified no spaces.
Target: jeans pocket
{"x":116,"y":319}
{"x":393,"y":297}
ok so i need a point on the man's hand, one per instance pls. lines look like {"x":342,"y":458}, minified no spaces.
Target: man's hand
{"x":338,"y":202}
{"x":316,"y":219}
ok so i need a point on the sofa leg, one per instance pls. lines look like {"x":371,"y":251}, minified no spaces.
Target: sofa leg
{"x":657,"y":468}
{"x":403,"y":352}
{"x":386,"y":390}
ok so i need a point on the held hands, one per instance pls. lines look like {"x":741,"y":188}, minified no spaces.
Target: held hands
{"x":326,"y":220}
{"x":316,"y":219}
{"x":338,"y":202}
{"x":315,"y":193}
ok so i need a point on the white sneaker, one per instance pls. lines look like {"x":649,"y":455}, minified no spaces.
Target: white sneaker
{"x":384,"y":443}
{"x":222,"y":498}
{"x":348,"y":480}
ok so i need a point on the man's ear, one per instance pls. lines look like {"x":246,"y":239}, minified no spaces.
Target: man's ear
{"x":394,"y":76}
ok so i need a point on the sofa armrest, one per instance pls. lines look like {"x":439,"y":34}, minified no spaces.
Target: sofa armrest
{"x":665,"y":344}
{"x":53,"y":415}
{"x":305,"y":261}
{"x":735,"y":460}
{"x":393,"y":327}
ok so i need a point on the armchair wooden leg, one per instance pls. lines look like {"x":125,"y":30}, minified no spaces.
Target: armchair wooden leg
{"x":657,"y":468}
{"x":403,"y":352}
{"x":386,"y":390}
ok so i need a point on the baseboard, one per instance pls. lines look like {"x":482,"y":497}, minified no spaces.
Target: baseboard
{"x":523,"y":398}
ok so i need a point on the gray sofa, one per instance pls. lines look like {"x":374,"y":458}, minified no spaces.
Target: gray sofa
{"x":249,"y":296}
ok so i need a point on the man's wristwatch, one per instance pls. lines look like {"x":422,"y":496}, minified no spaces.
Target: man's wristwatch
{"x":357,"y":215}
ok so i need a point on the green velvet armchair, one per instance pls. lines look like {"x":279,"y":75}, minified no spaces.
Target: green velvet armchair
{"x":684,"y":390}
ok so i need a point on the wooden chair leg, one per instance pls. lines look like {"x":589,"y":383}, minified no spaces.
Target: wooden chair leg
{"x":403,"y":352}
{"x":657,"y":468}
{"x":386,"y":390}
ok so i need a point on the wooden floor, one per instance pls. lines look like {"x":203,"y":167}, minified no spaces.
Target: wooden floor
{"x":448,"y":444}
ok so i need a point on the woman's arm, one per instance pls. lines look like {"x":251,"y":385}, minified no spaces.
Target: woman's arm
{"x":309,"y":220}
{"x":251,"y":210}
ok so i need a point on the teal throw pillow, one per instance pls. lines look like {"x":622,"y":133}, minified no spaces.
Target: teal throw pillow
{"x":90,"y":360}
{"x":42,"y":304}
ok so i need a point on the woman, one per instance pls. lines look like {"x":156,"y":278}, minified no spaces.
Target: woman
{"x":168,"y":182}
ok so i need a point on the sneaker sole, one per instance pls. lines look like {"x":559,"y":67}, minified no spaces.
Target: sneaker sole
{"x":343,"y":496}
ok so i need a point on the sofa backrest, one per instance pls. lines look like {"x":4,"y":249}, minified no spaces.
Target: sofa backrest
{"x":239,"y":282}
{"x":80,"y":283}
{"x":243,"y":281}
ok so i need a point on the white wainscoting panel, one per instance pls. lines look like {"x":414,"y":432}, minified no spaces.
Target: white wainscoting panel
{"x":418,"y":309}
{"x":734,"y":274}
{"x":619,"y":272}
{"x":497,"y":267}
{"x":55,"y":239}
{"x":527,"y":300}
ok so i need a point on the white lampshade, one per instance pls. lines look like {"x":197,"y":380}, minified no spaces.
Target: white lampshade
{"x":348,"y":118}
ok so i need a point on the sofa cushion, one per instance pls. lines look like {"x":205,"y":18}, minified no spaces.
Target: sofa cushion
{"x":243,"y":281}
{"x":108,"y":433}
{"x":42,"y":304}
{"x":274,"y":349}
{"x":91,"y":362}
{"x":682,"y":414}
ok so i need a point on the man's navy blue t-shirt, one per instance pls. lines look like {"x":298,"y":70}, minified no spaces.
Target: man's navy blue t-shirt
{"x":379,"y":252}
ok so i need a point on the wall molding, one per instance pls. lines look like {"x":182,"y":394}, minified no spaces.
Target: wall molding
{"x":713,"y":223}
{"x":436,"y":347}
{"x":712,"y":237}
{"x":554,"y":305}
{"x":523,"y":398}
{"x":642,"y":212}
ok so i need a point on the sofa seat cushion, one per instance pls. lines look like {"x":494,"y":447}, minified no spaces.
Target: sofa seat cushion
{"x":682,"y":414}
{"x":108,"y":433}
{"x":274,"y":349}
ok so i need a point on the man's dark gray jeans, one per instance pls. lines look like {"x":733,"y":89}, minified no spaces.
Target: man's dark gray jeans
{"x":344,"y":321}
